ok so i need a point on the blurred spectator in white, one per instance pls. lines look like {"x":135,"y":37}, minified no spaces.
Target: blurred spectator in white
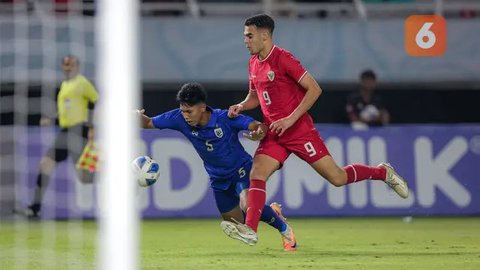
{"x":364,"y":107}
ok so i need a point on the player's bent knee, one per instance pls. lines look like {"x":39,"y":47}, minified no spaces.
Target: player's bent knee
{"x":47,"y":165}
{"x":337,"y":182}
{"x":259,"y":176}
{"x":261,"y":173}
{"x":263,"y":167}
{"x":338,"y":179}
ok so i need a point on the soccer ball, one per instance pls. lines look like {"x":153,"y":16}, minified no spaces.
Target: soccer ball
{"x":146,"y":170}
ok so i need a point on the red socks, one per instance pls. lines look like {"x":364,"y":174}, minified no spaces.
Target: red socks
{"x":256,"y":201}
{"x":359,"y":172}
{"x":257,"y":193}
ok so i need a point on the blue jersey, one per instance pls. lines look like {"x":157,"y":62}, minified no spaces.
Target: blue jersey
{"x":217,"y":143}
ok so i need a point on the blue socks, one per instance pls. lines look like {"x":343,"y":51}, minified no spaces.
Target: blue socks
{"x":271,"y":218}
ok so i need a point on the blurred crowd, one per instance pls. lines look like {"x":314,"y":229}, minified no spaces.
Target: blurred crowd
{"x":285,"y":8}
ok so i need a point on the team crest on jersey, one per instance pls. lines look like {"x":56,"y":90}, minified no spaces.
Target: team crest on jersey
{"x":218,"y":132}
{"x":194,"y":132}
{"x":271,"y":75}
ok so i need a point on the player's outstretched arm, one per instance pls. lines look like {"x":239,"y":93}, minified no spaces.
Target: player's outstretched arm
{"x":257,"y":132}
{"x":250,"y":102}
{"x":145,"y":121}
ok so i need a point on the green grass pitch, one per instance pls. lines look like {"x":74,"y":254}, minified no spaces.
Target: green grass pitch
{"x":323,"y":243}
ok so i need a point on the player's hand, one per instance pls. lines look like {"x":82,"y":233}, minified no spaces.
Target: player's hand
{"x":144,"y":120}
{"x":281,"y":125}
{"x":257,"y":134}
{"x":234,"y":110}
{"x":140,"y":112}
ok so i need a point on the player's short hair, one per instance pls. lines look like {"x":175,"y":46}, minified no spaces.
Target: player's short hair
{"x":261,"y":21}
{"x":368,"y":74}
{"x":72,"y":57}
{"x":191,"y":94}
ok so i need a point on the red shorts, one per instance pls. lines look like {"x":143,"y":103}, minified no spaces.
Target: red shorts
{"x":308,"y":146}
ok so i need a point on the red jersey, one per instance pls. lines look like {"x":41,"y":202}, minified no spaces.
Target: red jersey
{"x":276,"y":81}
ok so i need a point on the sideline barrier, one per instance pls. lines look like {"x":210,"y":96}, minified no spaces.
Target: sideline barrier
{"x":438,"y":161}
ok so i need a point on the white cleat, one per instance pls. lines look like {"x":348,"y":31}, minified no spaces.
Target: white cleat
{"x":240,"y":232}
{"x":395,"y":181}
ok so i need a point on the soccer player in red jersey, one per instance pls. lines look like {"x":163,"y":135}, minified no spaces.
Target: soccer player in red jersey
{"x":286,"y":91}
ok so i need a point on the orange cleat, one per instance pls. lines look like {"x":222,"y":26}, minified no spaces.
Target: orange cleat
{"x":288,"y":237}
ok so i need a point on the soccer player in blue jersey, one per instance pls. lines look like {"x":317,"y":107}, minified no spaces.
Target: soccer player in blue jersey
{"x":215,"y":138}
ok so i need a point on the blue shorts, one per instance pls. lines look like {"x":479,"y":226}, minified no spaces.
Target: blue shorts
{"x":229,"y":198}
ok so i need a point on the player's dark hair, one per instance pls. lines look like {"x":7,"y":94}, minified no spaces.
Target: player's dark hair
{"x":368,"y":74}
{"x":261,"y":21}
{"x":71,"y":56}
{"x":192,"y":94}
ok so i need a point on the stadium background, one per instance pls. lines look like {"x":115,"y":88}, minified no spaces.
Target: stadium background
{"x":208,"y":48}
{"x":434,"y":137}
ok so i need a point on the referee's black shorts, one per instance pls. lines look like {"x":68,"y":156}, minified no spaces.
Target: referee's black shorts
{"x":69,"y":142}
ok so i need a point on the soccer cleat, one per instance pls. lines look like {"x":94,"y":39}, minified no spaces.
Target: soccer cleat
{"x":395,"y":181}
{"x":240,"y":232}
{"x":31,"y":212}
{"x":288,"y":237}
